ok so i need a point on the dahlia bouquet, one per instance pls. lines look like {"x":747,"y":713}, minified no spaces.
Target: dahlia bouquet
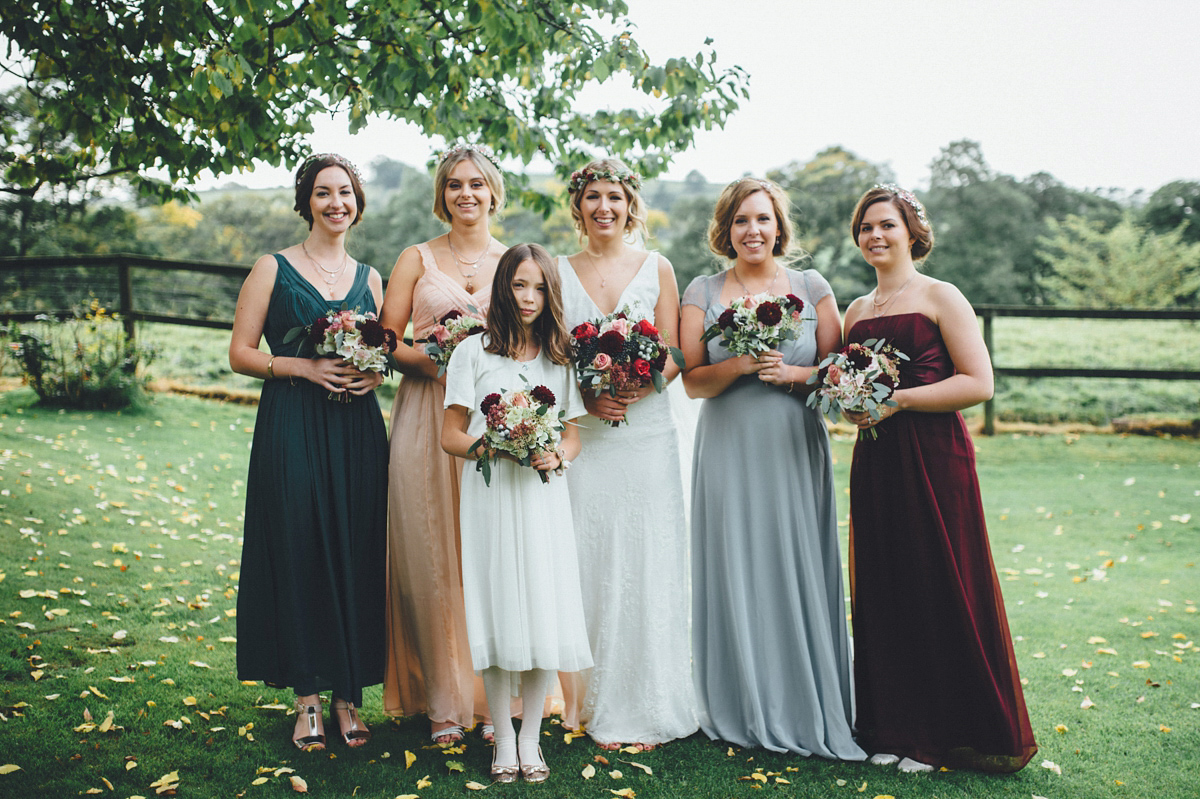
{"x":859,"y":377}
{"x":521,"y":424}
{"x":619,"y":352}
{"x":756,"y":323}
{"x":450,"y":331}
{"x":357,"y":338}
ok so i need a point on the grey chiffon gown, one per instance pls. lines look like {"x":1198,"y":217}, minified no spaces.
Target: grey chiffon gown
{"x":770,"y":645}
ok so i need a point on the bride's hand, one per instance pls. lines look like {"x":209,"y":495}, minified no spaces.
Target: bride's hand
{"x":604,"y":406}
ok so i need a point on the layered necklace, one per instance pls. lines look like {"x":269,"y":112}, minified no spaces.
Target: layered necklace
{"x":329,"y":277}
{"x":473,"y":265}
{"x":880,"y":307}
{"x":747,"y":291}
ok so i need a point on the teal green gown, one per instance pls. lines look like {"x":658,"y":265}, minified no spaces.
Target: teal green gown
{"x":312,"y":590}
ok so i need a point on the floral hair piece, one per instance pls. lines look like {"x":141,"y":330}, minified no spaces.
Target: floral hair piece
{"x":907,"y":196}
{"x":467,"y":147}
{"x":340,"y":160}
{"x":581,"y":178}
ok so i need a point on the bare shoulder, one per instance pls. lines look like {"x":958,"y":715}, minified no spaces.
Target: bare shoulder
{"x":947,"y":299}
{"x":855,"y":310}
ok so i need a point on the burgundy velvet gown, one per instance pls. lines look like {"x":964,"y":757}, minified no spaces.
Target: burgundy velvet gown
{"x":935,"y":675}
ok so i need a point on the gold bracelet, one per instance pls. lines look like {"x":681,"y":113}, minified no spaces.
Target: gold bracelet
{"x":271,"y":368}
{"x":791,"y":385}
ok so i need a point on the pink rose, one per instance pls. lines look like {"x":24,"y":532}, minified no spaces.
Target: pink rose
{"x":750,"y":302}
{"x":602,"y":362}
{"x":440,"y":334}
{"x":520,"y":401}
{"x":347,"y":320}
{"x":619,"y":325}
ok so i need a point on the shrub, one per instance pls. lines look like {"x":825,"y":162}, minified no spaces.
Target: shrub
{"x":84,"y":361}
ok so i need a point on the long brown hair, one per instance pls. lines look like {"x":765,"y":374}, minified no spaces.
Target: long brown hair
{"x":505,"y":334}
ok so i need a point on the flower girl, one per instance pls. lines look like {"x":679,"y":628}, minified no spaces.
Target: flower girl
{"x":505,"y":389}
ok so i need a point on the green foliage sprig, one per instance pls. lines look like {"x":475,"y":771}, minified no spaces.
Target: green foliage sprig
{"x":85,"y":361}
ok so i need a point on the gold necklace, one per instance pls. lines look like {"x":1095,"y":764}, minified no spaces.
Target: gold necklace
{"x":747,"y":291}
{"x":459,"y":261}
{"x":330,"y":276}
{"x":596,"y":269}
{"x":880,"y":307}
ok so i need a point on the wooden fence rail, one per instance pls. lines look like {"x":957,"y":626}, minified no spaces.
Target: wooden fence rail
{"x":146,"y":289}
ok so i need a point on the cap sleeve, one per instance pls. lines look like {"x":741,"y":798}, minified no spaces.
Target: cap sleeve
{"x":816,"y":287}
{"x":460,"y":373}
{"x":698,"y":292}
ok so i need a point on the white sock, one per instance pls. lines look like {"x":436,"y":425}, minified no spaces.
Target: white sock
{"x":497,"y":682}
{"x":535,"y":684}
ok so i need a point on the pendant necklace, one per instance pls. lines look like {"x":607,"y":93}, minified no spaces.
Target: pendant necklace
{"x":747,"y":291}
{"x":330,"y":276}
{"x":459,"y":261}
{"x":596,"y":269}
{"x":880,"y":307}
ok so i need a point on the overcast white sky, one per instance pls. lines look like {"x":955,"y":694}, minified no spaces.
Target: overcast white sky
{"x":1103,"y":93}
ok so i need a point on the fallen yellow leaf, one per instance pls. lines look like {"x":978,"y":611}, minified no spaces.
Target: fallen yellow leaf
{"x":409,"y":759}
{"x":471,"y":786}
{"x":298,"y":784}
{"x":626,"y":792}
{"x":588,"y":772}
{"x":643,"y":767}
{"x":9,"y":768}
{"x":260,"y":781}
{"x":423,"y":783}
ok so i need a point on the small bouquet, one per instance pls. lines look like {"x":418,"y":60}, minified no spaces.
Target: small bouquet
{"x":621,"y":352}
{"x":859,"y":377}
{"x":358,"y":339}
{"x":448,"y":333}
{"x":520,"y":423}
{"x":757,"y":323}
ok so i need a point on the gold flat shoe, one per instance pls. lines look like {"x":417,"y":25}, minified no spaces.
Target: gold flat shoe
{"x":537,"y":773}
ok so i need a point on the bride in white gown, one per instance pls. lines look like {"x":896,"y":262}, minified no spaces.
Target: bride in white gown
{"x":627,"y":491}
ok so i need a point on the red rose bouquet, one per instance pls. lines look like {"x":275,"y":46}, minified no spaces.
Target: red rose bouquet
{"x":519,"y":423}
{"x":450,"y":331}
{"x":859,"y":377}
{"x":357,"y":338}
{"x":757,"y":323}
{"x":619,"y":352}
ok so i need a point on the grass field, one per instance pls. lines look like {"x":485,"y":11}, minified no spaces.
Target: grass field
{"x":119,"y":559}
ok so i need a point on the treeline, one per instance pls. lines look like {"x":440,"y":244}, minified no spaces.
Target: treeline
{"x":999,"y":238}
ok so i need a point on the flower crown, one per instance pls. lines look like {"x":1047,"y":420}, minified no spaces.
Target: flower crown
{"x":341,"y":161}
{"x":580,"y":179}
{"x":467,"y":147}
{"x":908,"y":197}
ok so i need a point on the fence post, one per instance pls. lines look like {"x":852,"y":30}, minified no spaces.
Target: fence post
{"x":989,"y":406}
{"x":125,"y":286}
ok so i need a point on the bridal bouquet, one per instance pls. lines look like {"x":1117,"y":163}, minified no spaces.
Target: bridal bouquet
{"x":619,"y":352}
{"x":357,"y":338}
{"x":520,"y":423}
{"x":859,"y":377}
{"x":757,"y":323}
{"x":448,"y":333}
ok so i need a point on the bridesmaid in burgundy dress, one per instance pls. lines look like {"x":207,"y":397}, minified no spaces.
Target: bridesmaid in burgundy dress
{"x":935,"y":675}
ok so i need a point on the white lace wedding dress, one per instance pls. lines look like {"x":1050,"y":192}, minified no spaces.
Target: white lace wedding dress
{"x":627,"y":498}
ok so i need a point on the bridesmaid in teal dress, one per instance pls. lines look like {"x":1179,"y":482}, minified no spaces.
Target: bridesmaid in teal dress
{"x":771,"y":654}
{"x":311,"y":598}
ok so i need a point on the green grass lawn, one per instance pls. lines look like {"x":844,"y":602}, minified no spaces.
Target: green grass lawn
{"x":119,"y":559}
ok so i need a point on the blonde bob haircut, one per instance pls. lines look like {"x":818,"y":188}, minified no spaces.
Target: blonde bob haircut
{"x":441,"y":178}
{"x":731,"y":200}
{"x":635,"y":221}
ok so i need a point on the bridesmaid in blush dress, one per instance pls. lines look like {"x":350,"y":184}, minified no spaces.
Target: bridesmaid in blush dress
{"x":771,"y":650}
{"x":935,"y":675}
{"x":627,"y":490}
{"x":428,"y":660}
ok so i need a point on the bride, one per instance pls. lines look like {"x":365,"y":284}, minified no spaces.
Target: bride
{"x":626,"y":489}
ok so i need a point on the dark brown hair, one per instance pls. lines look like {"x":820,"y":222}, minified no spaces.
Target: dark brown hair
{"x":306,"y":176}
{"x":731,"y":200}
{"x":918,"y":228}
{"x":505,"y":335}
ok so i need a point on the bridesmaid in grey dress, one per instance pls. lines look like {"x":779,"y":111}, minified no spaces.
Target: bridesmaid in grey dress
{"x":770,"y":646}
